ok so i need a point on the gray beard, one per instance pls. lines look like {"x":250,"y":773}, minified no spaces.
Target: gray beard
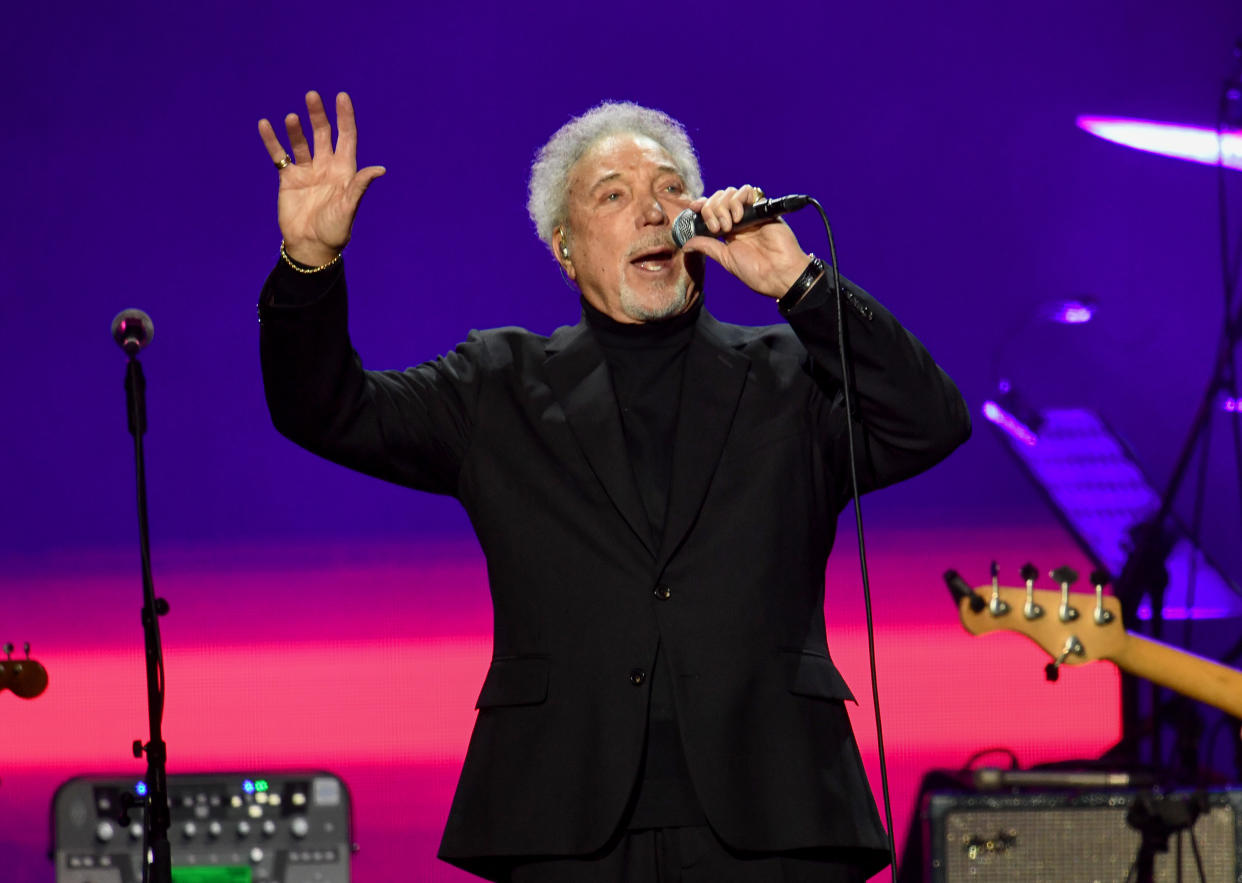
{"x":635,"y":309}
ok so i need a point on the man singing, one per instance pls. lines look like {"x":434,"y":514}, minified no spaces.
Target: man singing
{"x":656,"y":494}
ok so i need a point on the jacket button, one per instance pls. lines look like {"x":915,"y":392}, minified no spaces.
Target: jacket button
{"x":637,"y":677}
{"x":662,"y":592}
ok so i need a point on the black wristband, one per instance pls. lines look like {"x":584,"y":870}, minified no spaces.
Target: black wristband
{"x":813,"y":273}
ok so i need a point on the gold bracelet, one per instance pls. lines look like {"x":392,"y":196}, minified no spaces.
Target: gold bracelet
{"x":303,"y":268}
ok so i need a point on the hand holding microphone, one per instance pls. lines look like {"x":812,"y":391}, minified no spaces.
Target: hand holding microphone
{"x":765,"y":256}
{"x":691,"y":223}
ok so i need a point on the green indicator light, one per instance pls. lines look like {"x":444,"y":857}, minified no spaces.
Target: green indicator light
{"x":260,"y":785}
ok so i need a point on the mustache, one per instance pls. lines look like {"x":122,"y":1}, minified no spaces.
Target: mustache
{"x":658,"y":243}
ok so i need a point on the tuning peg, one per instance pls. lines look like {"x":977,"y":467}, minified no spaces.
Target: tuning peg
{"x":996,"y":606}
{"x":1052,"y":670}
{"x":960,"y":589}
{"x":1099,"y":579}
{"x":1066,"y":576}
{"x":1030,"y":609}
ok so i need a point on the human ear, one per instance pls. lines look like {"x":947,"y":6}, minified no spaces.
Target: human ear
{"x":560,"y":250}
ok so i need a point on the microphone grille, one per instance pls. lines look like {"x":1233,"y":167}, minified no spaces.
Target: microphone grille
{"x":683,"y":227}
{"x":132,"y":330}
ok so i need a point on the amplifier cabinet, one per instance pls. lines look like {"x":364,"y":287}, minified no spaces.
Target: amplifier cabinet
{"x":1071,"y":838}
{"x":279,"y":827}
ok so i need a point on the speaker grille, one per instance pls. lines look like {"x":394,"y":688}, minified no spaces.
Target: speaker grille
{"x":1066,"y":839}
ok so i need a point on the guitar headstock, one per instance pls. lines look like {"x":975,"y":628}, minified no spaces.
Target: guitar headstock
{"x":1071,"y":627}
{"x":26,"y":678}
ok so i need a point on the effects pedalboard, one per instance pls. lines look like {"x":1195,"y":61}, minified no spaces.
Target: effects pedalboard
{"x":245,"y":828}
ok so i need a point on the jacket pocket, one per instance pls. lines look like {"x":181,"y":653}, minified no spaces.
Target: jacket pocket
{"x":517,"y":680}
{"x":813,"y":674}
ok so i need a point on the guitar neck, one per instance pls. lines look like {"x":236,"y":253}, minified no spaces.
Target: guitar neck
{"x":1202,"y":679}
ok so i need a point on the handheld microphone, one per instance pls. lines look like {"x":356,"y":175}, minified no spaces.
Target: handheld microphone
{"x":690,"y":223}
{"x":132,"y":330}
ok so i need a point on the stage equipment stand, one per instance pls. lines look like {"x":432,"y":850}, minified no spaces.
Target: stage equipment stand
{"x":1144,"y":573}
{"x":133,"y":330}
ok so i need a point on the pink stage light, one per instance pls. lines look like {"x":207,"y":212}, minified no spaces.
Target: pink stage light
{"x":1073,"y":312}
{"x":1167,"y":139}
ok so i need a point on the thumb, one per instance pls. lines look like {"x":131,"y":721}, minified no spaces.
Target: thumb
{"x":362,"y":180}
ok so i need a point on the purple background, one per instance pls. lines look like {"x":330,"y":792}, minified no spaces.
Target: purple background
{"x":941,"y":141}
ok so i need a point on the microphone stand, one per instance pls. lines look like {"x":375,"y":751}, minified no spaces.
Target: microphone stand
{"x":156,"y":814}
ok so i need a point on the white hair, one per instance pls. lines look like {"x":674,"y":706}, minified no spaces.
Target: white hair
{"x":549,"y":174}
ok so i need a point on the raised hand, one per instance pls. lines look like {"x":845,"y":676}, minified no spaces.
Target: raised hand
{"x":765,"y":257}
{"x":319,"y":190}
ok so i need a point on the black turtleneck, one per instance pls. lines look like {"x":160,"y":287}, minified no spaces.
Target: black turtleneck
{"x":646,"y":363}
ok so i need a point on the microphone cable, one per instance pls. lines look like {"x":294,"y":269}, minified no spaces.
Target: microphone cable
{"x":847,"y":382}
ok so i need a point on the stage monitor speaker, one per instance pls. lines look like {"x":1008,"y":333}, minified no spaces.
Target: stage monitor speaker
{"x":275,"y":827}
{"x":1072,"y":838}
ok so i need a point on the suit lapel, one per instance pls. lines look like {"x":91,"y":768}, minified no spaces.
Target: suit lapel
{"x":578,"y":375}
{"x":715,"y":374}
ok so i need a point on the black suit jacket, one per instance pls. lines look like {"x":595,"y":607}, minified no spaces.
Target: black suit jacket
{"x":523,"y":429}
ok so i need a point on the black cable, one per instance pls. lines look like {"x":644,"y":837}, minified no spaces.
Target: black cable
{"x":1196,"y":536}
{"x":984,"y":752}
{"x":847,"y":382}
{"x":1194,"y":846}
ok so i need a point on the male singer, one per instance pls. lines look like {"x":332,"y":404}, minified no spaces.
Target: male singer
{"x":656,"y":494}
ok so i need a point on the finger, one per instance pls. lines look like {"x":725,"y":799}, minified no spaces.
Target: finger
{"x":708,"y":214}
{"x":346,"y":128}
{"x":725,"y":215}
{"x":742,"y":198}
{"x":361,"y":181}
{"x":712,"y":211}
{"x":320,"y":126}
{"x":275,"y":149}
{"x":297,"y":140}
{"x":713,"y":248}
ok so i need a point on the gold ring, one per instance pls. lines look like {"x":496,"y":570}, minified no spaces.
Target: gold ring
{"x":285,"y":160}
{"x":758,"y":193}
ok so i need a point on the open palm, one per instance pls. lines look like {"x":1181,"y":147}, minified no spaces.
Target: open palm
{"x":321,"y":189}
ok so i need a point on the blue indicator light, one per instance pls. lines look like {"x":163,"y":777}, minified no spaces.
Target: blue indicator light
{"x":248,"y":786}
{"x":141,"y":789}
